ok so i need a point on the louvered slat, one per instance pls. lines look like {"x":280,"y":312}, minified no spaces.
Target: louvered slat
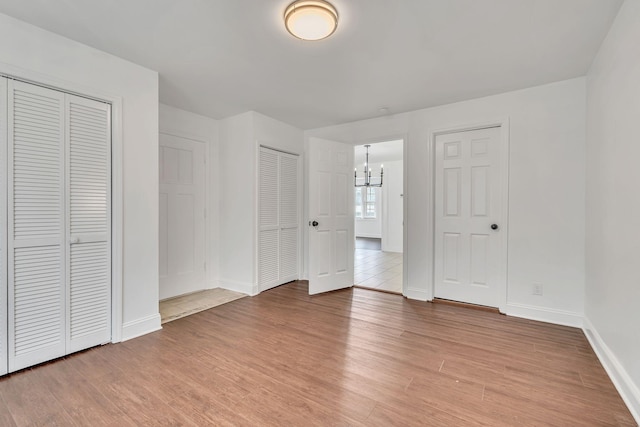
{"x":90,"y":290}
{"x":288,"y":254}
{"x":268,"y":258}
{"x":268,"y":188}
{"x":278,"y":204}
{"x":288,"y":190}
{"x":36,"y":225}
{"x":89,"y":269}
{"x":4,"y":338}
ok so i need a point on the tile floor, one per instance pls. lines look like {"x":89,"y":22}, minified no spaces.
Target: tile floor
{"x":184,"y":305}
{"x":378,"y":270}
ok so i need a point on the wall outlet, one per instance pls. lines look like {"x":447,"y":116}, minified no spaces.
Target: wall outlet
{"x":537,"y":289}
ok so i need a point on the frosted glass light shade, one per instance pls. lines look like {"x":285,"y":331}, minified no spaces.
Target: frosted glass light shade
{"x":311,"y":19}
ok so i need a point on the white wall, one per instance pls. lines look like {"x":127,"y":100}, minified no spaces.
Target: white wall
{"x":36,"y":54}
{"x":546,"y":191}
{"x":237,"y":203}
{"x":240,"y":138}
{"x":174,"y":121}
{"x":612,"y":312}
{"x":392,"y":207}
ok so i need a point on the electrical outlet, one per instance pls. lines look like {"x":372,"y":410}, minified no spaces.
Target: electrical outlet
{"x":537,"y":289}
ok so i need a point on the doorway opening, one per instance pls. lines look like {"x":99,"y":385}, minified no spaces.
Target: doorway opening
{"x":378,"y":260}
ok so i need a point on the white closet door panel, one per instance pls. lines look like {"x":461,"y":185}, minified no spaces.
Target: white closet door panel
{"x":3,"y":228}
{"x":268,"y":259}
{"x":288,"y":254}
{"x":269,"y":237}
{"x":288,"y":217}
{"x":268,"y":188}
{"x":36,"y":224}
{"x":88,"y":148}
{"x":288,"y":191}
{"x":278,"y":218}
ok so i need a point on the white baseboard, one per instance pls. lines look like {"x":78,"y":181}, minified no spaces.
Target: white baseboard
{"x":629,"y":391}
{"x":416,"y":294}
{"x":369,"y":236}
{"x":242,"y":287}
{"x":394,"y":249}
{"x":142,"y":326}
{"x":543,"y":314}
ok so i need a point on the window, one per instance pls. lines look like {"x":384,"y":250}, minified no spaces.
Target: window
{"x":366,"y":202}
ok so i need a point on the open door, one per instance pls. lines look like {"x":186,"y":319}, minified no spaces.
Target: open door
{"x":331,"y":216}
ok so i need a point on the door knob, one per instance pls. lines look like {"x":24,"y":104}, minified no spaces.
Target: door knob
{"x":494,"y":226}
{"x":313,"y":223}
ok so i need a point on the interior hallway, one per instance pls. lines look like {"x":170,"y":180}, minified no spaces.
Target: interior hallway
{"x":375,"y":269}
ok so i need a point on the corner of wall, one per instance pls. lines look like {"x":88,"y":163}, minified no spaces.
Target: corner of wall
{"x":629,"y":391}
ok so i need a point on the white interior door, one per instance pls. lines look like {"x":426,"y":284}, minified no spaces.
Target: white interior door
{"x":36,"y":232}
{"x":88,"y":208}
{"x":182,"y":216}
{"x":4,"y":339}
{"x":469,"y":258}
{"x":278,"y":228}
{"x":331,"y":215}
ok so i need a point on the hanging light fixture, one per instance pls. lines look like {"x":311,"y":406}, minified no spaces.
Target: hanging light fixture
{"x":311,"y":19}
{"x":367,"y":173}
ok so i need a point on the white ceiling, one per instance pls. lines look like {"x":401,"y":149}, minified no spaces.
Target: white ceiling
{"x":381,"y":152}
{"x":223,"y":57}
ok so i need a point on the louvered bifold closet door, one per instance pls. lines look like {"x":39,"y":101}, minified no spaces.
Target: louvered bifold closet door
{"x":88,"y":148}
{"x":35,"y":225}
{"x":4,"y":340}
{"x":288,"y":217}
{"x":268,"y":233}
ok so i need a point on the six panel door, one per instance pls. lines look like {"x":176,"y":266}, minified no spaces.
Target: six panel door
{"x":468,"y":202}
{"x":332,"y":206}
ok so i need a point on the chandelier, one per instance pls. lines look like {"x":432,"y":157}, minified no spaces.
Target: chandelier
{"x":367,"y":173}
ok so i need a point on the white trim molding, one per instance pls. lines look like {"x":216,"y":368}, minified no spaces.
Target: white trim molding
{"x":629,"y":391}
{"x":544,"y":314}
{"x":142,"y":326}
{"x":417,"y":294}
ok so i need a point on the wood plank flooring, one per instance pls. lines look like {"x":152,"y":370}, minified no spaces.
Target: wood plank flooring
{"x":352,"y":357}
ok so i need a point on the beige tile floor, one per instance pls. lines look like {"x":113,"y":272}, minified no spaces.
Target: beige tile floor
{"x":378,"y":270}
{"x":184,"y":305}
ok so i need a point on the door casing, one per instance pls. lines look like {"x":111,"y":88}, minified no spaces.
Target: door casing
{"x":503,"y":124}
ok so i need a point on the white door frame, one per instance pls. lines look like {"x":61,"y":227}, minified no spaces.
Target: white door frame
{"x":405,"y":201}
{"x":503,"y":123}
{"x":117,"y":183}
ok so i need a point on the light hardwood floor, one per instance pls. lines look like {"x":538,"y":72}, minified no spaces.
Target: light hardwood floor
{"x":195,"y":302}
{"x":350,"y":357}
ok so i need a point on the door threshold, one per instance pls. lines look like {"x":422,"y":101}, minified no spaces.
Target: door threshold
{"x":384,"y":291}
{"x":466,"y":305}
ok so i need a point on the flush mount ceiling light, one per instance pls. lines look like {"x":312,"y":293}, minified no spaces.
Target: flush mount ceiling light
{"x":311,"y":19}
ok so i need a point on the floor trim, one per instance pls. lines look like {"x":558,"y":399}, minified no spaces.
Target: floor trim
{"x":619,"y":376}
{"x":142,"y":326}
{"x":465,"y":305}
